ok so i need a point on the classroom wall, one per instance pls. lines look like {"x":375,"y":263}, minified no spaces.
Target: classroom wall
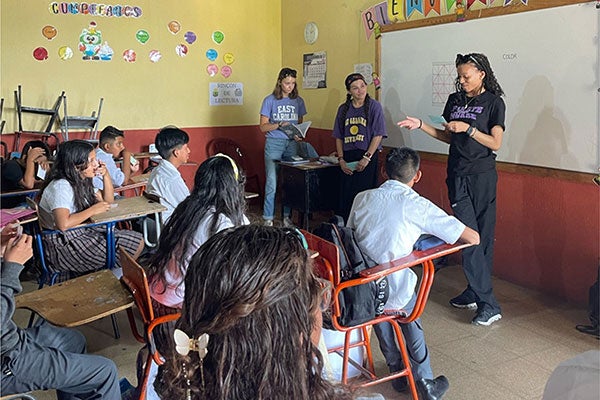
{"x":547,"y":232}
{"x":143,"y":94}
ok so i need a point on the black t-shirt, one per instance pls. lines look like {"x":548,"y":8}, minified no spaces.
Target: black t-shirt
{"x":12,"y":173}
{"x":467,"y":156}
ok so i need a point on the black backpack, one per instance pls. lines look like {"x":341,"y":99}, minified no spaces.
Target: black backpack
{"x":361,"y":303}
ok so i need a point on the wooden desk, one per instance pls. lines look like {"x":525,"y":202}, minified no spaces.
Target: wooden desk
{"x":140,"y":178}
{"x":309,"y":187}
{"x":78,"y":301}
{"x":128,"y":208}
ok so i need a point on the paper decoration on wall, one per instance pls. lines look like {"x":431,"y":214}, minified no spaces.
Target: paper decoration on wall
{"x":507,"y":2}
{"x":40,"y":54}
{"x":211,"y":54}
{"x":89,"y":42}
{"x":218,"y":37}
{"x":190,"y":37}
{"x":181,"y":50}
{"x":376,"y":81}
{"x":142,"y":36}
{"x":434,"y":5}
{"x":65,"y":52}
{"x":129,"y":55}
{"x":460,"y":11}
{"x":93,"y":9}
{"x":449,"y":4}
{"x":212,"y":70}
{"x":395,"y":10}
{"x":106,"y":52}
{"x":412,"y":6}
{"x":228,"y":58}
{"x":174,"y":27}
{"x":226,"y":71}
{"x":155,"y":56}
{"x":49,"y":32}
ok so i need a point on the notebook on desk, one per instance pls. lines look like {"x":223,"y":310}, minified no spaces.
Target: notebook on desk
{"x":20,"y":214}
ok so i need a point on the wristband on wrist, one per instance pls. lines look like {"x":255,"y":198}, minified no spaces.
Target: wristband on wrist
{"x":420,"y":123}
{"x":367,"y":156}
{"x":341,"y":158}
{"x":471,"y":131}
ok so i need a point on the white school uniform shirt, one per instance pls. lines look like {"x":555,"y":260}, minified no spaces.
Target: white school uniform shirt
{"x":116,"y":175}
{"x":166,"y":182}
{"x":387,"y":223}
{"x":58,"y":194}
{"x":173,"y":295}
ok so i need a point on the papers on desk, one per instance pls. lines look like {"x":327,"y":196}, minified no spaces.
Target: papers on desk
{"x":295,"y":162}
{"x":329,"y":159}
{"x":20,"y":214}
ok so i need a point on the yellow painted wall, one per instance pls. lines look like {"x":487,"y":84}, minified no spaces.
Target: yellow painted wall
{"x":341,"y":35}
{"x":143,"y":94}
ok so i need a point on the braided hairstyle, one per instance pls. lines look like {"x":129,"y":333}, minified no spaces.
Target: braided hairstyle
{"x":255,"y":294}
{"x":348,"y":81}
{"x":481,"y":62}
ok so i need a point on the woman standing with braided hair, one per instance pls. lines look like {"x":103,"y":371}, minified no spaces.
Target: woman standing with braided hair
{"x":475,"y":115}
{"x":358,"y":129}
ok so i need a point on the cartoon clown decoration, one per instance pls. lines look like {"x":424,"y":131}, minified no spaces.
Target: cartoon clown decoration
{"x":90,"y":42}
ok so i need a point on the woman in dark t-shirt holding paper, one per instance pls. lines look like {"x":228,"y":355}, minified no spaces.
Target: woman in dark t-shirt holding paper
{"x":475,"y":115}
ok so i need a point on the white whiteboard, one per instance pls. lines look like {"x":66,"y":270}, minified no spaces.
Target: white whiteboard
{"x":545,"y":60}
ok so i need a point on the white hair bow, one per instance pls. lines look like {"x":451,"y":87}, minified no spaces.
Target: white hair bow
{"x":183,"y":343}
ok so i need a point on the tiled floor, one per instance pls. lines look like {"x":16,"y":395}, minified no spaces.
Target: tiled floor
{"x":512,"y":359}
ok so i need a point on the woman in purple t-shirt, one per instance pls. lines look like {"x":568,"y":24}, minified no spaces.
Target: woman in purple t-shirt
{"x":358,"y":130}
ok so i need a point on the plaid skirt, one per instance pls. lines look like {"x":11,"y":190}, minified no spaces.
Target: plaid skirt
{"x":84,"y":250}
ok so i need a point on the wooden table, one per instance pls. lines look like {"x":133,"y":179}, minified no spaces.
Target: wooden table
{"x":78,"y":301}
{"x":308,"y":187}
{"x":128,"y":208}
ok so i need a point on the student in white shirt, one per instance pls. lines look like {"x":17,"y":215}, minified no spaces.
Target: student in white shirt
{"x":111,"y":146}
{"x":388,"y":221}
{"x":165,"y":180}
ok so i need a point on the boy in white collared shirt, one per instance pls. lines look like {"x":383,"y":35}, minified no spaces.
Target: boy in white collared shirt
{"x":111,"y":146}
{"x":388,"y":221}
{"x":165,"y":180}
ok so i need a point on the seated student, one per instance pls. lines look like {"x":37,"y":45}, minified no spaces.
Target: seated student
{"x":111,"y":146}
{"x":388,"y":221}
{"x":257,"y":298}
{"x":216,"y":203}
{"x":45,"y":357}
{"x":68,"y":200}
{"x":165,"y":180}
{"x":22,"y":173}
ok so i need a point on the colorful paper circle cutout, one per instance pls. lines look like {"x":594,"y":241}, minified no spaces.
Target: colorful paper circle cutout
{"x":228,"y":58}
{"x":190,"y":37}
{"x":174,"y":27}
{"x":49,"y":32}
{"x":129,"y":55}
{"x":155,"y":56}
{"x":65,"y":52}
{"x":226,"y":71}
{"x":40,"y":54}
{"x":218,"y":37}
{"x":142,"y":36}
{"x":181,"y":50}
{"x":211,"y":54}
{"x":212,"y":70}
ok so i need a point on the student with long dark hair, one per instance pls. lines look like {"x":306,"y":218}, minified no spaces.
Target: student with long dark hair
{"x":257,"y":299}
{"x":67,"y":200}
{"x":358,"y":130}
{"x":215,"y":203}
{"x":475,"y":115}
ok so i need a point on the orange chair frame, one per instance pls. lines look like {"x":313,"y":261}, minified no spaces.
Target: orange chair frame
{"x":134,"y":278}
{"x":326,"y":265}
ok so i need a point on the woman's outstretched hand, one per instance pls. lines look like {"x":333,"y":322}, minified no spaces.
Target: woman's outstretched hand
{"x":410,"y":123}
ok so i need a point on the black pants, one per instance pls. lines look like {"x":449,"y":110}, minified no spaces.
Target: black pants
{"x":351,"y":185}
{"x":473,"y":200}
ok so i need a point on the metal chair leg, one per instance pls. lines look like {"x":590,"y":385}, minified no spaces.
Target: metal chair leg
{"x":115,"y":325}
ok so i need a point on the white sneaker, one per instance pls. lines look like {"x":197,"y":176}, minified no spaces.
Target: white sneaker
{"x":268,"y":222}
{"x":287,"y":222}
